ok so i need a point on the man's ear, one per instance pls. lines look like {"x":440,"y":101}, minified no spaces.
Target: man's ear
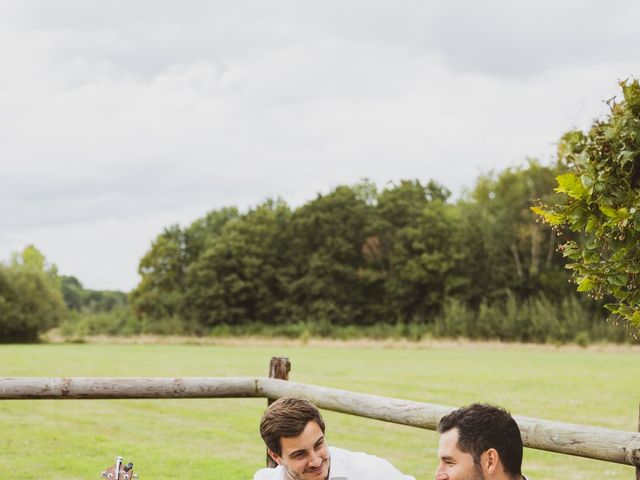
{"x":276,"y":458}
{"x":491,"y":461}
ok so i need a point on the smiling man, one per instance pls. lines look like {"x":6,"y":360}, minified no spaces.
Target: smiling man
{"x":479,"y":442}
{"x":293,"y":431}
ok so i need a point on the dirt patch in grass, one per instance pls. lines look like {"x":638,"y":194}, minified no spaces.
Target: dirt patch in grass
{"x":54,"y":337}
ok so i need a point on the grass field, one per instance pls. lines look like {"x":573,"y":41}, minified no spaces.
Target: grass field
{"x":207,"y":439}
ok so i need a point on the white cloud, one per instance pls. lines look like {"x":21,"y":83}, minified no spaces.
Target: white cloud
{"x":118,"y":119}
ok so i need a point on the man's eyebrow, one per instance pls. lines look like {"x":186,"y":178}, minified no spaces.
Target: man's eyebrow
{"x":319,"y":441}
{"x":446,"y":458}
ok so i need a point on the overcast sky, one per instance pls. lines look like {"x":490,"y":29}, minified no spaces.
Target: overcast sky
{"x":119,"y":118}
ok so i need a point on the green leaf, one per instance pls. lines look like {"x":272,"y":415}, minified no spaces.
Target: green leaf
{"x":591,"y":257}
{"x":552,"y":218}
{"x":612,"y":307}
{"x":591,"y":243}
{"x":608,"y":211}
{"x":633,"y":268}
{"x":538,"y":211}
{"x":627,"y":156}
{"x":609,"y":133}
{"x":619,"y":214}
{"x":570,"y":248}
{"x":570,"y":184}
{"x":578,"y":218}
{"x":587,"y":181}
{"x":586,"y":284}
{"x":619,"y":280}
{"x":592,"y":223}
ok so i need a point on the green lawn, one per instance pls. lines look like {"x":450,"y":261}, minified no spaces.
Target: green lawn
{"x":218,"y":438}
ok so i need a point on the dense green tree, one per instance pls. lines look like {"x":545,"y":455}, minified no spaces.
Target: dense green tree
{"x":72,"y":292}
{"x":516,"y":252}
{"x":428,"y":258}
{"x":327,"y":264}
{"x":601,"y":205}
{"x":397,"y":207}
{"x":79,"y":299}
{"x":162,"y":270}
{"x":239,"y":276}
{"x":162,"y":288}
{"x":32,"y":258}
{"x":30,"y":301}
{"x":204,"y":231}
{"x":418,"y":248}
{"x":356,"y":256}
{"x":95,"y":301}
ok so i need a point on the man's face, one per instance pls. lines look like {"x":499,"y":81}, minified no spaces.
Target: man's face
{"x":305,"y":457}
{"x":455,"y":464}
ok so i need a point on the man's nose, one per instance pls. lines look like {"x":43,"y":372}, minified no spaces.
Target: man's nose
{"x":441,"y":474}
{"x":315,"y":460}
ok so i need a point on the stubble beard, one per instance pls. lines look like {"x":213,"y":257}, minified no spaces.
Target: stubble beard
{"x":478,"y":475}
{"x":294,"y":476}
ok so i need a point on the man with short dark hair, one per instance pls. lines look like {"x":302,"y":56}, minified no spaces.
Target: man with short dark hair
{"x":293,"y":431}
{"x":479,"y":442}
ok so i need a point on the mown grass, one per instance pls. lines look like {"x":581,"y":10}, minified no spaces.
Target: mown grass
{"x":217,"y":438}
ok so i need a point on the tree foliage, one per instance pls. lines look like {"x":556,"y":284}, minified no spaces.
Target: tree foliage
{"x":238,"y":278}
{"x":30,"y":299}
{"x":79,"y":299}
{"x":600,"y":205}
{"x":511,"y":249}
{"x":357,"y":256}
{"x":326,"y":236}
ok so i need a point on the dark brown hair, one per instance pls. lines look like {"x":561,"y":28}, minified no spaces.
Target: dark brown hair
{"x":287,"y":417}
{"x":481,"y":427}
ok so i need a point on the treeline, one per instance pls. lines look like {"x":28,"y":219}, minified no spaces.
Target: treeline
{"x":30,"y":298}
{"x":403,"y":260}
{"x":35,"y":298}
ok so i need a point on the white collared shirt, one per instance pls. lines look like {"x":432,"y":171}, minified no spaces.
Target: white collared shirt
{"x":346,"y":465}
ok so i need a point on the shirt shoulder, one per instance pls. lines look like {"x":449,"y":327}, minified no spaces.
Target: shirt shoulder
{"x":268,"y":474}
{"x":361,"y":466}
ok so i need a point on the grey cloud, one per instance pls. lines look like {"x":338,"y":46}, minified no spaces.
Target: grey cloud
{"x":119,"y":118}
{"x":525,"y":38}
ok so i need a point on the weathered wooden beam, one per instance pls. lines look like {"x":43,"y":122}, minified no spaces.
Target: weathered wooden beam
{"x":105,"y":387}
{"x":585,"y":441}
{"x":393,"y":410}
{"x":580,"y":440}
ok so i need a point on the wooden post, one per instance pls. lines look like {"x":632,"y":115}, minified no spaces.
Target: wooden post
{"x":278,"y":368}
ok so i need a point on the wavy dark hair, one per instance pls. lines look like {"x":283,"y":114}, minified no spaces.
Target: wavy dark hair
{"x":287,"y":417}
{"x":481,"y":427}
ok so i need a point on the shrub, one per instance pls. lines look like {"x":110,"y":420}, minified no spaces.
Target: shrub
{"x":30,"y":303}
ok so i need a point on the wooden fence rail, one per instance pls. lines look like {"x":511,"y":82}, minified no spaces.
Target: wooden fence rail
{"x":585,"y":441}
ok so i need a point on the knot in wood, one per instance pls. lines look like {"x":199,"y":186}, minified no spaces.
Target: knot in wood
{"x":633,"y":456}
{"x":65,"y":387}
{"x":178,"y":388}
